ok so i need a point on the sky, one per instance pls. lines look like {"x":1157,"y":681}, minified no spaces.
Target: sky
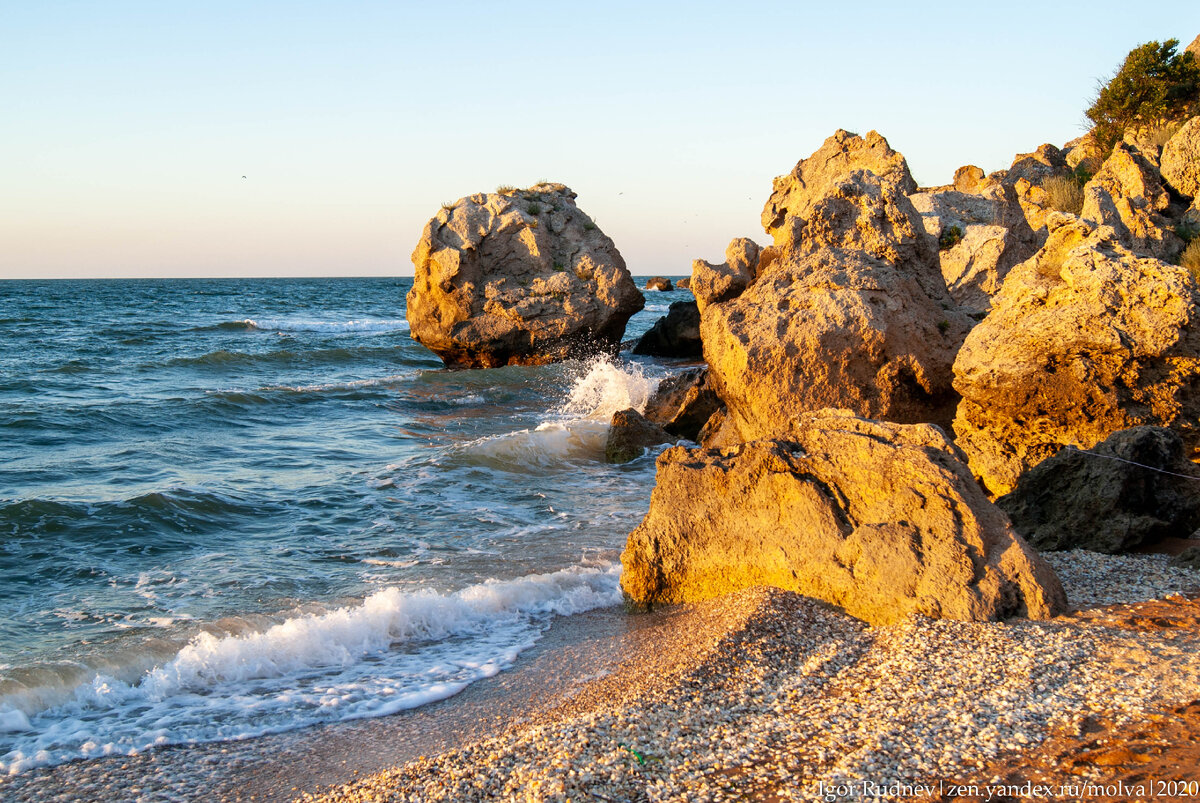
{"x":171,"y":139}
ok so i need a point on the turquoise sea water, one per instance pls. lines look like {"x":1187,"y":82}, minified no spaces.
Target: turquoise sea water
{"x":232,"y":507}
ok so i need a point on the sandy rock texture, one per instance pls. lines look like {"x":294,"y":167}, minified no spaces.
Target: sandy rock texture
{"x":1134,"y":488}
{"x":683,"y":403}
{"x":1084,"y":339}
{"x":712,"y":284}
{"x":848,"y":309}
{"x":1127,"y":195}
{"x":993,"y":234}
{"x":1181,"y":160}
{"x":881,"y":519}
{"x":834,"y":328}
{"x":519,"y":277}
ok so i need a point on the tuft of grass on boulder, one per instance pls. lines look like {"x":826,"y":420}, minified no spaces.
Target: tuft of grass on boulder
{"x":1064,"y":194}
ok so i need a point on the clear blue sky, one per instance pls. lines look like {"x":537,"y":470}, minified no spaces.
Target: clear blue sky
{"x":127,"y":126}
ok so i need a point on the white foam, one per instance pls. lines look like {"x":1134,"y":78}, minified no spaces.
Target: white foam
{"x":301,"y":325}
{"x":354,"y":384}
{"x":419,"y":646}
{"x":606,"y":388}
{"x":396,"y":564}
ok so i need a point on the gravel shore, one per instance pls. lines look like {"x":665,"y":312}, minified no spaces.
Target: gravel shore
{"x":771,"y":696}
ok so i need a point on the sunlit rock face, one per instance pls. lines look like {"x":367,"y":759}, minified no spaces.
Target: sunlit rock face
{"x":712,"y":284}
{"x":518,"y":277}
{"x":1084,"y":339}
{"x":847,"y":309}
{"x":1127,"y":194}
{"x":982,"y":232}
{"x":884,"y":520}
{"x":1181,"y":164}
{"x":832,"y":328}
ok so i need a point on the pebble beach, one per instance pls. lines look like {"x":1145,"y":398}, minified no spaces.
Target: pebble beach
{"x":768,"y":695}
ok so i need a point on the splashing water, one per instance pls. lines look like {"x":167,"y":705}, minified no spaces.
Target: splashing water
{"x":606,"y":388}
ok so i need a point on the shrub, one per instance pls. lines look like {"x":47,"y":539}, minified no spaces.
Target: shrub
{"x":534,"y":209}
{"x":506,"y":189}
{"x":448,"y":206}
{"x":1190,"y":259}
{"x":1064,"y":194}
{"x":1154,"y":86}
{"x":951,"y":236}
{"x":1188,"y":231}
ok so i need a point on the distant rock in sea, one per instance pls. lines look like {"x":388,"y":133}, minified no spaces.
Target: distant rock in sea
{"x":661,"y":284}
{"x":518,"y":277}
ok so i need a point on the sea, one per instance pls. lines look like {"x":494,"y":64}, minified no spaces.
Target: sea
{"x":235,"y":507}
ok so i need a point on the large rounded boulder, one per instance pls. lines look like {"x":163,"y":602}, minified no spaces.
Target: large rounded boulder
{"x":518,"y":277}
{"x":884,"y":520}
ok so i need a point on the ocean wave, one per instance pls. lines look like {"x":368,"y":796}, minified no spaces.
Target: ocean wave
{"x":396,"y":650}
{"x":224,"y":358}
{"x":178,"y":507}
{"x":359,"y":325}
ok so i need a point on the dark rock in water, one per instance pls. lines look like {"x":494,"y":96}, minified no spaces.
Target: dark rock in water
{"x":1188,"y":558}
{"x":1100,"y":500}
{"x":683,"y":403}
{"x":684,"y":284}
{"x":629,"y":436}
{"x":518,"y":278}
{"x":676,"y":334}
{"x":882,"y":519}
{"x":660,"y":283}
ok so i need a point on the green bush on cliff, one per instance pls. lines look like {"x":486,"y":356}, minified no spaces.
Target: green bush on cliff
{"x":1154,"y":86}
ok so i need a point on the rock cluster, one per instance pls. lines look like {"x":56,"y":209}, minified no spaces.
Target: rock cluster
{"x":683,"y":403}
{"x":847,"y":309}
{"x":881,"y":519}
{"x":1084,"y":339}
{"x":518,"y":277}
{"x":982,"y":233}
{"x":1134,"y":488}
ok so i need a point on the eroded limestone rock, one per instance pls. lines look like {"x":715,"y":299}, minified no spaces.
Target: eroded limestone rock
{"x":521,"y":277}
{"x":1084,"y":339}
{"x":1136,"y":487}
{"x":712,"y":284}
{"x":1127,"y":195}
{"x":881,"y":519}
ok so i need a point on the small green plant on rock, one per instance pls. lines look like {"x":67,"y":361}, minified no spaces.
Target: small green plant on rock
{"x":951,"y":236}
{"x":534,"y":209}
{"x":943,"y":325}
{"x":1188,"y":231}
